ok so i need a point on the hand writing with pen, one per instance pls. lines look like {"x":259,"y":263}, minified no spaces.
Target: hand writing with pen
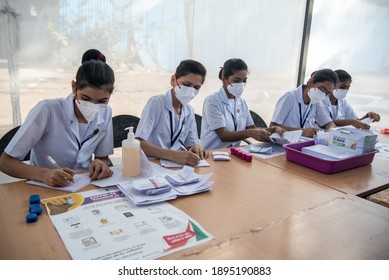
{"x":191,"y":156}
{"x":58,"y":177}
{"x":62,"y":177}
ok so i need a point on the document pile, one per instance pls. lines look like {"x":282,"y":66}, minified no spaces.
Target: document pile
{"x":355,"y":140}
{"x":288,"y":137}
{"x":261,"y":149}
{"x":342,"y":143}
{"x":162,"y":188}
{"x":152,"y":186}
{"x":328,"y":152}
{"x":218,"y":155}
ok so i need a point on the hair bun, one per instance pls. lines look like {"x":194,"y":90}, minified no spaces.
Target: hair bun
{"x":93,"y":54}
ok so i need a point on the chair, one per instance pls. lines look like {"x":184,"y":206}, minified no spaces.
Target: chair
{"x":198,"y":123}
{"x":258,"y":121}
{"x":120,"y":123}
{"x":7,"y":138}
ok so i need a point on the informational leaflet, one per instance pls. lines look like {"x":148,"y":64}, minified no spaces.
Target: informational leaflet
{"x":276,"y":150}
{"x":102,"y":224}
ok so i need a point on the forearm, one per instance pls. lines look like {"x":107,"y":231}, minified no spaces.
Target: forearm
{"x":103,"y":159}
{"x":330,"y":126}
{"x":233,"y":136}
{"x":18,"y":169}
{"x":157,"y":152}
{"x":343,"y":122}
{"x":288,"y":128}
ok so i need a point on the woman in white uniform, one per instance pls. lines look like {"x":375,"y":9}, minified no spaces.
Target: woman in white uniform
{"x":167,"y":127}
{"x":340,"y":110}
{"x":301,"y":109}
{"x":226,"y":118}
{"x":70,"y":130}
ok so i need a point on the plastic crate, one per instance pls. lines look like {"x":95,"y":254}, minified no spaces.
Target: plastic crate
{"x":294,"y":154}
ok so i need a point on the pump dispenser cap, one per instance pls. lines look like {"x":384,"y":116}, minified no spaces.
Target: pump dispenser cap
{"x":130,"y":134}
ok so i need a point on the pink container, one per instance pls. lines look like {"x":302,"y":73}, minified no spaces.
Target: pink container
{"x":243,"y":155}
{"x":249,"y":158}
{"x":294,"y":154}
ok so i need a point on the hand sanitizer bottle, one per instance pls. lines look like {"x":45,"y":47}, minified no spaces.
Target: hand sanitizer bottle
{"x":131,"y":154}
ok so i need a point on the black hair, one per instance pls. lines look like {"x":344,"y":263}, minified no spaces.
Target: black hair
{"x":232,"y":66}
{"x":343,"y":75}
{"x":325,"y":75}
{"x":93,"y":54}
{"x":190,"y":66}
{"x":95,"y":74}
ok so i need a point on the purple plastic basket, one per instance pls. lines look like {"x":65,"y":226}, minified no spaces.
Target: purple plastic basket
{"x":294,"y":154}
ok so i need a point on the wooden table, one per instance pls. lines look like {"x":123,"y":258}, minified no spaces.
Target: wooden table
{"x":361,"y":181}
{"x":343,"y":228}
{"x":245,"y":196}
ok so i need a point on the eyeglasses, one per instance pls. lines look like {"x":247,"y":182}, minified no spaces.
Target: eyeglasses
{"x":324,"y":89}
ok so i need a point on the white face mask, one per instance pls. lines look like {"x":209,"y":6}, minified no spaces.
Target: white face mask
{"x":185,"y":94}
{"x":316,"y":95}
{"x":236,"y":89}
{"x":89,"y":110}
{"x":340,"y":93}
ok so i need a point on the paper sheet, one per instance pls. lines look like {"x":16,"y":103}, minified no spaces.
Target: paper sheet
{"x":183,"y":182}
{"x":171,"y":164}
{"x":277,"y":150}
{"x":288,"y":137}
{"x":80,"y":181}
{"x":102,"y":224}
{"x":117,"y":177}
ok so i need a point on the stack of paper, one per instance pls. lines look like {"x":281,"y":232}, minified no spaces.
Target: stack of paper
{"x":152,"y":186}
{"x":171,"y":164}
{"x":183,"y":177}
{"x":218,"y":155}
{"x":261,"y":149}
{"x":288,"y":137}
{"x":328,"y":152}
{"x":182,"y":182}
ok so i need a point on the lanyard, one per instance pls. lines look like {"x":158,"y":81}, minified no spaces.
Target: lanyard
{"x":172,"y":138}
{"x":329,"y":107}
{"x":95,"y":132}
{"x":233,"y":116}
{"x":304,"y":119}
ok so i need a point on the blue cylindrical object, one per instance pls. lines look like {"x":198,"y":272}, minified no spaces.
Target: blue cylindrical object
{"x":36,"y":209}
{"x":31,"y":218}
{"x":35,"y":199}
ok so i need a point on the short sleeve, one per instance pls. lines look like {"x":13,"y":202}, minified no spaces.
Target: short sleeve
{"x":149,"y":118}
{"x":214,"y":113}
{"x":105,"y":147}
{"x":30,"y":132}
{"x":282,"y":109}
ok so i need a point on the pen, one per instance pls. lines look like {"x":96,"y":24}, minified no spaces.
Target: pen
{"x":183,"y":145}
{"x":55,"y":164}
{"x":310,"y":122}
